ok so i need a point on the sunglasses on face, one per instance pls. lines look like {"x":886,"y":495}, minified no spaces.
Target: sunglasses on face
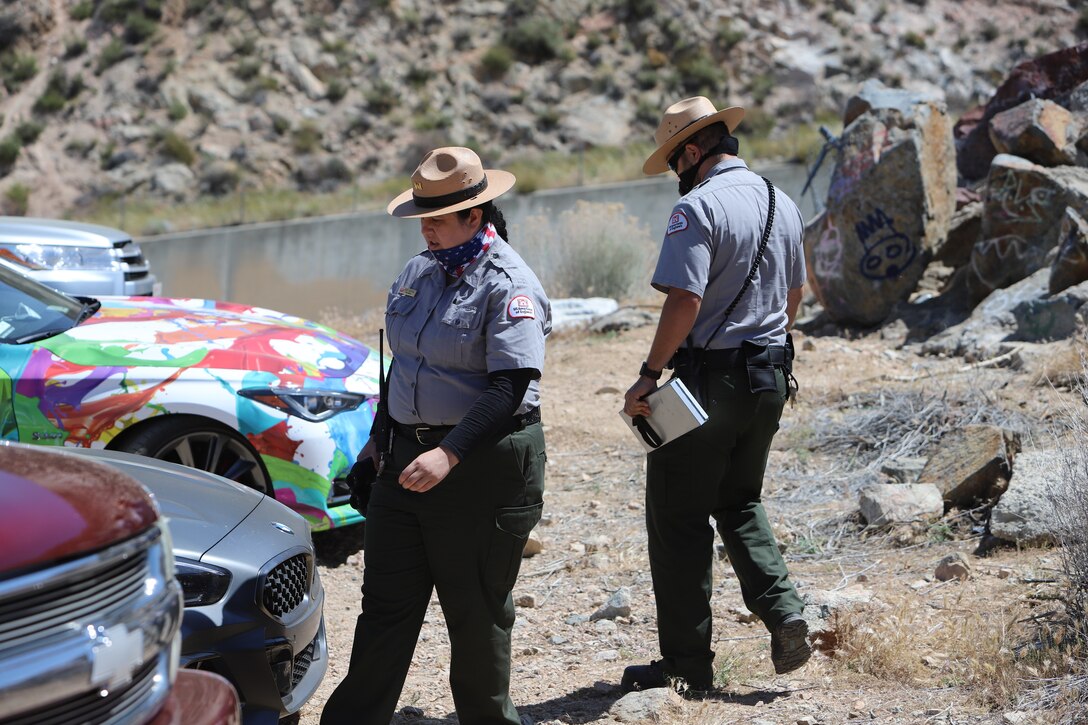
{"x":674,"y":160}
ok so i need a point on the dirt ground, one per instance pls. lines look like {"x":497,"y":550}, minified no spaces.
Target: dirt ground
{"x":921,"y":650}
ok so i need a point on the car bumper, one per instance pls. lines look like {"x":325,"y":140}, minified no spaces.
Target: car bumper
{"x":274,"y":654}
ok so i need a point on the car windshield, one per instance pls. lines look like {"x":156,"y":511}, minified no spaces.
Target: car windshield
{"x":31,"y":311}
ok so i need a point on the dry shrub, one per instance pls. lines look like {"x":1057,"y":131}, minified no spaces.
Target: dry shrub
{"x":989,"y":655}
{"x":592,"y":250}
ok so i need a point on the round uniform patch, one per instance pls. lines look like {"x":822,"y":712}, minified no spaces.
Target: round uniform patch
{"x":521,"y":306}
{"x":678,"y":222}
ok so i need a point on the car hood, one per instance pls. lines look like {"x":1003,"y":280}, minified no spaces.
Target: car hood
{"x":193,"y":333}
{"x":200,"y":508}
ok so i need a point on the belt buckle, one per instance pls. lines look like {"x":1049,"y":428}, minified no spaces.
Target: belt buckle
{"x":419,"y":431}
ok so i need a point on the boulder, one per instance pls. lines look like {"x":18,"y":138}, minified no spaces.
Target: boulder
{"x":1025,"y":513}
{"x":175,"y":180}
{"x":1053,"y":76}
{"x":1050,"y":318}
{"x":903,"y":470}
{"x":618,"y":605}
{"x":571,"y":312}
{"x":1021,"y":220}
{"x":972,"y":463}
{"x":625,"y":318}
{"x":823,"y":610}
{"x":890,"y":200}
{"x":963,"y":231}
{"x":900,"y":503}
{"x":1070,"y":266}
{"x":875,"y":95}
{"x":300,"y":76}
{"x":658,"y":704}
{"x":1038,"y":130}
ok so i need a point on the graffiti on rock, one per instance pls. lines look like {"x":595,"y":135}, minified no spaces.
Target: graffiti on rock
{"x":827,"y":261}
{"x":890,"y":254}
{"x":992,"y":259}
{"x":1019,"y":203}
{"x":854,"y":162}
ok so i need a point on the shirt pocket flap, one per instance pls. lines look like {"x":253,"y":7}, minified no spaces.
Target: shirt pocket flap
{"x":463,"y":317}
{"x":401,"y":305}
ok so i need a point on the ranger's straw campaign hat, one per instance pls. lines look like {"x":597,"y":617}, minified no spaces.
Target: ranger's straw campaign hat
{"x":682,"y":120}
{"x":449,"y":179}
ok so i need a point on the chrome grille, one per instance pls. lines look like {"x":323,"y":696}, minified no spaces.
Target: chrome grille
{"x":286,"y":585}
{"x":132,"y":260}
{"x":117,"y":706}
{"x":50,"y":609}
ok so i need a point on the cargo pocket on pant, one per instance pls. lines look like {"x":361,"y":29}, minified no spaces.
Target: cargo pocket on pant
{"x":512,"y":527}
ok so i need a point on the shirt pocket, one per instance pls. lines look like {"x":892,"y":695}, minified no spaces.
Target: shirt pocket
{"x":463,"y":334}
{"x":396,"y":316}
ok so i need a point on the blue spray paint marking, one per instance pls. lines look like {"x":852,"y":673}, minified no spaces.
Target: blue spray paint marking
{"x":890,"y":254}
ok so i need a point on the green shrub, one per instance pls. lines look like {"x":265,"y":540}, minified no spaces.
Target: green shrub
{"x":58,"y":91}
{"x":336,"y":90}
{"x":174,"y":146}
{"x":280,"y":124}
{"x":418,"y":76}
{"x":82,"y":10}
{"x":640,"y":9}
{"x":196,"y":7}
{"x":381,"y":98}
{"x":700,"y":74}
{"x":432,"y":121}
{"x":29,"y":131}
{"x":177,"y":110}
{"x":16,"y":69}
{"x":112,"y":53}
{"x":496,"y":61}
{"x":306,"y":138}
{"x":548,"y":118}
{"x":914,"y":40}
{"x":245,"y":45}
{"x":9,"y":151}
{"x":761,"y":87}
{"x":534,"y":40}
{"x":74,"y":47}
{"x":17,"y":200}
{"x":139,"y":27}
{"x":106,"y":153}
{"x":989,"y":31}
{"x":247,"y":69}
{"x":116,"y":11}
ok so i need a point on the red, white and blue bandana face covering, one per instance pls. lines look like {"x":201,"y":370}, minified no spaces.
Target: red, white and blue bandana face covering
{"x":456,"y":260}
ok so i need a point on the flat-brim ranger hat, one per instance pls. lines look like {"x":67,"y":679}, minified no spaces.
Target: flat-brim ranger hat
{"x":449,"y":179}
{"x":682,"y":120}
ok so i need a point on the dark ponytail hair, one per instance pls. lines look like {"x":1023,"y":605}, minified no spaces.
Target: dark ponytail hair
{"x":492,"y":214}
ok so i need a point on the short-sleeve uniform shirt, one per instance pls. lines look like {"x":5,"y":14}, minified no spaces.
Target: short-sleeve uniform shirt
{"x":710,"y":243}
{"x":447,"y":338}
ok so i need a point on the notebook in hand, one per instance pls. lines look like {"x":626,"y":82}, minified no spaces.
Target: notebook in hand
{"x":674,"y":411}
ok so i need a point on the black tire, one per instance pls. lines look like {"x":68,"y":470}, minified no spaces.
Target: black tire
{"x":198,"y":443}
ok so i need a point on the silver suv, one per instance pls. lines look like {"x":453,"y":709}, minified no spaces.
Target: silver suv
{"x":77,"y":258}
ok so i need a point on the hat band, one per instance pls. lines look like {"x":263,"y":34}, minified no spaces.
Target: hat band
{"x":436,"y":202}
{"x":689,"y":125}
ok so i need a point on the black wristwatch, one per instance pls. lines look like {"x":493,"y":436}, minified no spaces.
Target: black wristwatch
{"x":647,"y":372}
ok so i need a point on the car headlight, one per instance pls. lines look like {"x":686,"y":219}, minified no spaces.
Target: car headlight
{"x":313,"y":405}
{"x":203,"y":584}
{"x":57,"y":256}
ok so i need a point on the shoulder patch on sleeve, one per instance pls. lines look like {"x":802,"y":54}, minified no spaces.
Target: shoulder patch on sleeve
{"x":678,"y":222}
{"x":521,"y":306}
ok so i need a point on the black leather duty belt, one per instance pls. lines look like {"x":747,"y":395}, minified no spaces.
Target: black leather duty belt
{"x":432,"y":435}
{"x":733,"y":357}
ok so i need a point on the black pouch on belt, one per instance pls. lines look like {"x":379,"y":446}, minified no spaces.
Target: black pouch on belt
{"x":687,"y":364}
{"x":761,"y":377}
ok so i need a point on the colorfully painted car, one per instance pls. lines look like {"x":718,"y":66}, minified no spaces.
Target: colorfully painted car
{"x":269,"y":400}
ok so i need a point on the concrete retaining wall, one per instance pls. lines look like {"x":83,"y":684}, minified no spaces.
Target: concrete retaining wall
{"x":347,"y":262}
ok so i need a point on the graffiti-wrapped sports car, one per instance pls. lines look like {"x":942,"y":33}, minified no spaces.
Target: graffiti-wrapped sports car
{"x":272,"y":401}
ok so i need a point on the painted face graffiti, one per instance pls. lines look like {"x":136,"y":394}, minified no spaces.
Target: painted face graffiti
{"x":890,"y":254}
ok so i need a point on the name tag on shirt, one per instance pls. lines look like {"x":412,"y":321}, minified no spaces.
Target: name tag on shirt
{"x":406,"y":292}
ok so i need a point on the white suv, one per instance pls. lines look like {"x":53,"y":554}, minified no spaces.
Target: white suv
{"x":77,"y":258}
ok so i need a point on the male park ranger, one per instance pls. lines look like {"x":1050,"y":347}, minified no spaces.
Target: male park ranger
{"x":732,"y":267}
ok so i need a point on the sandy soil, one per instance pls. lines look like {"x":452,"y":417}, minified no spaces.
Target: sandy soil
{"x":918,"y":652}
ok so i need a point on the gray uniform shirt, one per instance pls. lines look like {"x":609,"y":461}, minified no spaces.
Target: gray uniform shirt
{"x":710,"y":243}
{"x":446,"y":338}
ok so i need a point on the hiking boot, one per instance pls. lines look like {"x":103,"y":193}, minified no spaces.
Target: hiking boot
{"x":648,"y":677}
{"x":789,"y":644}
{"x":643,"y":677}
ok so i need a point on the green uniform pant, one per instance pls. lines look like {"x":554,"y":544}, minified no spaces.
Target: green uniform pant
{"x":463,"y":538}
{"x":716,"y":470}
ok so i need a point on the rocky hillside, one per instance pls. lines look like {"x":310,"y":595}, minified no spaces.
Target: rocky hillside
{"x":181,"y":98}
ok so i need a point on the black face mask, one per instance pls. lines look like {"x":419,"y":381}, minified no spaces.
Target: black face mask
{"x":687,"y":177}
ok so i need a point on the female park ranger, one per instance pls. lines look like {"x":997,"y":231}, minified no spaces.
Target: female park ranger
{"x":462,"y":482}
